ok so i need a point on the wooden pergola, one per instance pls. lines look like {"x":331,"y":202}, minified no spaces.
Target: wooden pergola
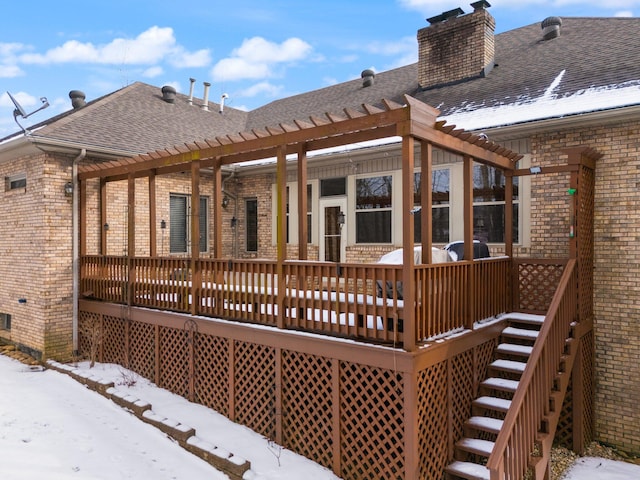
{"x":413,"y":122}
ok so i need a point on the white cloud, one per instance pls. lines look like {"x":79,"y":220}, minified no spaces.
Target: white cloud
{"x":24,"y":99}
{"x":150,"y":47}
{"x":153,"y":72}
{"x":10,"y":71}
{"x":256,"y":57}
{"x":262,"y":88}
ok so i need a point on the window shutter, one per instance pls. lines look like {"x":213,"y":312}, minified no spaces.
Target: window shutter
{"x":178,"y":224}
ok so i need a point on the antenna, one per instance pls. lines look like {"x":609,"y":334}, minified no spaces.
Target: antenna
{"x":20,"y":112}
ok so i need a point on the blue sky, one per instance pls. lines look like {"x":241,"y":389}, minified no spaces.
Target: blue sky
{"x":255,"y":51}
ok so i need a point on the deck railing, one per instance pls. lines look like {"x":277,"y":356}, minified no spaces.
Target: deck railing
{"x":362,"y":301}
{"x":530,"y":406}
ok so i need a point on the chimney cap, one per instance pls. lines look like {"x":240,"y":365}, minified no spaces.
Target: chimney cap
{"x":480,"y":5}
{"x":444,"y":16}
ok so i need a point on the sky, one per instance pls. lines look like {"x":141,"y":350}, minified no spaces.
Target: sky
{"x":53,"y":427}
{"x":253,"y":51}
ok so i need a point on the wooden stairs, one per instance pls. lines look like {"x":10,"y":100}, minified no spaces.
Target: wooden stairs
{"x":494,"y":400}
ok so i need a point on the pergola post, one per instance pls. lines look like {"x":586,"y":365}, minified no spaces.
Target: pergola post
{"x":196,"y":282}
{"x":131,"y":235}
{"x":217,"y":208}
{"x":103,"y":216}
{"x":426,"y":218}
{"x":468,"y":238}
{"x":153,"y":231}
{"x":281,"y":228}
{"x":408,"y":277}
{"x":303,"y":227}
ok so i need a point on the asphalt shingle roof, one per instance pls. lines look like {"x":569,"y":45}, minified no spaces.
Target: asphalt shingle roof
{"x":592,"y":52}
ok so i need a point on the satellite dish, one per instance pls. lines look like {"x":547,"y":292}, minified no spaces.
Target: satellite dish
{"x":20,"y":112}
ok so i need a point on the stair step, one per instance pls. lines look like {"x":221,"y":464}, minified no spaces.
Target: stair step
{"x":526,"y":318}
{"x":476,"y":446}
{"x":468,"y":470}
{"x":492,"y":403}
{"x":520,"y":333}
{"x":501,"y":384}
{"x":516,"y":350}
{"x":485,"y":424}
{"x":510,"y":366}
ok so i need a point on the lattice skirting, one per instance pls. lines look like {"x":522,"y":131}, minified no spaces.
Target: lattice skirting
{"x":344,"y":413}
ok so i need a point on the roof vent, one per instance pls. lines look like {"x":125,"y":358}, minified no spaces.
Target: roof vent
{"x":77,"y":98}
{"x":168,"y":94}
{"x":367,"y":77}
{"x":205,"y":100}
{"x":551,"y":27}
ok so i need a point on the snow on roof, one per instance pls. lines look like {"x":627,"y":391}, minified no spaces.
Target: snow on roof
{"x":548,"y":105}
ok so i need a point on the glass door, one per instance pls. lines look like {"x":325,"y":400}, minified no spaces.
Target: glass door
{"x":332,"y":230}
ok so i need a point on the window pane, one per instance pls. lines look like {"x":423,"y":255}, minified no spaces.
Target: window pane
{"x":373,"y":192}
{"x":251,"y":207}
{"x":489,"y":223}
{"x":440,"y":192}
{"x":440,"y":222}
{"x":177,"y":224}
{"x":373,"y":227}
{"x":489,"y":184}
{"x":333,"y":186}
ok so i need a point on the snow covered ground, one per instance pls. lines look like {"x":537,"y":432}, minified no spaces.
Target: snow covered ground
{"x":53,"y":427}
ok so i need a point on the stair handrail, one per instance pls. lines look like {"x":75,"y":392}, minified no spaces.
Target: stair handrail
{"x":515,"y":442}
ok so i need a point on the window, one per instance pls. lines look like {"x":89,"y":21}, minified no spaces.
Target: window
{"x":331,"y":187}
{"x":15,"y":182}
{"x":373,"y":209}
{"x":179,"y":226}
{"x":440,"y":198}
{"x":5,"y":321}
{"x":489,"y":203}
{"x":251,"y":211}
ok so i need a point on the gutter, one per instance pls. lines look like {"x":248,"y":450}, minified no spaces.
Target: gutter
{"x":75,"y":255}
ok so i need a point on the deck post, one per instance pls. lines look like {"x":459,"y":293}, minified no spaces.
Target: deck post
{"x":103,"y":216}
{"x":408,"y":267}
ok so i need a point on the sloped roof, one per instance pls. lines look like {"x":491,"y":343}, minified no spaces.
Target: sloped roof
{"x":137,"y":119}
{"x":590,"y":54}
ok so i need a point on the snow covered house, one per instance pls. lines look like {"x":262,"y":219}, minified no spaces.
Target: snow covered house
{"x":289,"y":336}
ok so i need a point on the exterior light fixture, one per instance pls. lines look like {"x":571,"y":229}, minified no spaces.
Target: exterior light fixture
{"x":234,"y":222}
{"x":341,"y":219}
{"x":163,"y":224}
{"x":106,"y":227}
{"x":68,"y":189}
{"x":225,"y":202}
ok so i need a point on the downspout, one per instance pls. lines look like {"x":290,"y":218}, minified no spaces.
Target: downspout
{"x":75,"y":242}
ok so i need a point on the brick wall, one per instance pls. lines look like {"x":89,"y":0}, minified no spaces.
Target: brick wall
{"x":35,"y":248}
{"x":617,"y":263}
{"x":456,"y":49}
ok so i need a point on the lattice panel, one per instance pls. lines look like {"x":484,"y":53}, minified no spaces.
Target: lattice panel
{"x":174,"y":361}
{"x":371,"y":423}
{"x":484,"y":356}
{"x":142,"y":349}
{"x":212,"y":372}
{"x":255,"y":387}
{"x":89,"y":331}
{"x":538,"y":284}
{"x":113,"y":346}
{"x":588,"y":369}
{"x":462,"y":391}
{"x":585,"y":240}
{"x":433,"y":407}
{"x":564,"y":430}
{"x":307,"y":407}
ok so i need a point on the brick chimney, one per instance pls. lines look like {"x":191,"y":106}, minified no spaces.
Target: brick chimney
{"x":456,"y":47}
